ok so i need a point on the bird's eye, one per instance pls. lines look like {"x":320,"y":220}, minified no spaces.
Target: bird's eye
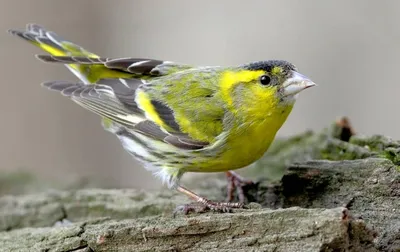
{"x":265,"y":80}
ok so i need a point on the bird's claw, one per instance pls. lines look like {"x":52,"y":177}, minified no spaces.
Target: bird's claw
{"x":235,"y":181}
{"x":197,"y":207}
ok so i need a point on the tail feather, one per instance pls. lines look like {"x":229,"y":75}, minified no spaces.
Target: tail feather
{"x":71,"y":59}
{"x":89,"y":67}
{"x":57,"y":46}
{"x":49,"y":41}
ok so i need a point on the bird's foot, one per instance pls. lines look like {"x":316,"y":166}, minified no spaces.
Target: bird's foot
{"x":208,"y":205}
{"x":203,"y":205}
{"x":235,"y":181}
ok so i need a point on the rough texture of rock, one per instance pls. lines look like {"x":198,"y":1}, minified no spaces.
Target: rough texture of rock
{"x":45,"y":209}
{"x":291,"y":229}
{"x":369,"y":188}
{"x":326,"y":195}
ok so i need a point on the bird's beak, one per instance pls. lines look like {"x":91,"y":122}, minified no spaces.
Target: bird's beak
{"x":296,"y":84}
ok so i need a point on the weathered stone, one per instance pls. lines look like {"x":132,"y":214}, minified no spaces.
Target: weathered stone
{"x":291,"y":229}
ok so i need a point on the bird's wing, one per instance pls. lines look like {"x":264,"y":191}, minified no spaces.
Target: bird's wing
{"x":187,"y":102}
{"x":114,"y":100}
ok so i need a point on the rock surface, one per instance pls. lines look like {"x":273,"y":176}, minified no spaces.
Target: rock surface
{"x":291,"y":229}
{"x":322,"y":194}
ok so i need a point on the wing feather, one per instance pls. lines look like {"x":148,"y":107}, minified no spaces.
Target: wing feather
{"x":105,"y":100}
{"x":136,"y":66}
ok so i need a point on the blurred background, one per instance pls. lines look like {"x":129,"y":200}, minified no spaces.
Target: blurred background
{"x":350,"y":48}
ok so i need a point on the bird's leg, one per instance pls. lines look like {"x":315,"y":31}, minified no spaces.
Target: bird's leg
{"x":202,"y":204}
{"x":236,"y":181}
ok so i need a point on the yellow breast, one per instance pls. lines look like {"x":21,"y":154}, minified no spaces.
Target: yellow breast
{"x":246,"y":145}
{"x":248,"y":142}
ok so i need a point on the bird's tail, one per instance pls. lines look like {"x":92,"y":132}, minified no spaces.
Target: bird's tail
{"x":55,"y":45}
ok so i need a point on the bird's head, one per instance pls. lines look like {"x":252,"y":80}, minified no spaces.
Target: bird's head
{"x":263,"y":85}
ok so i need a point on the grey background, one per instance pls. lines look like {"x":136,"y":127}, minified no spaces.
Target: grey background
{"x":350,"y":48}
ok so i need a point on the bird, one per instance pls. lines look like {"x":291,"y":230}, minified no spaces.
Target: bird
{"x":177,"y":118}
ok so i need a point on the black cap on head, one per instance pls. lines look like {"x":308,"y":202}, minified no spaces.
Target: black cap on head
{"x":268,"y":65}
